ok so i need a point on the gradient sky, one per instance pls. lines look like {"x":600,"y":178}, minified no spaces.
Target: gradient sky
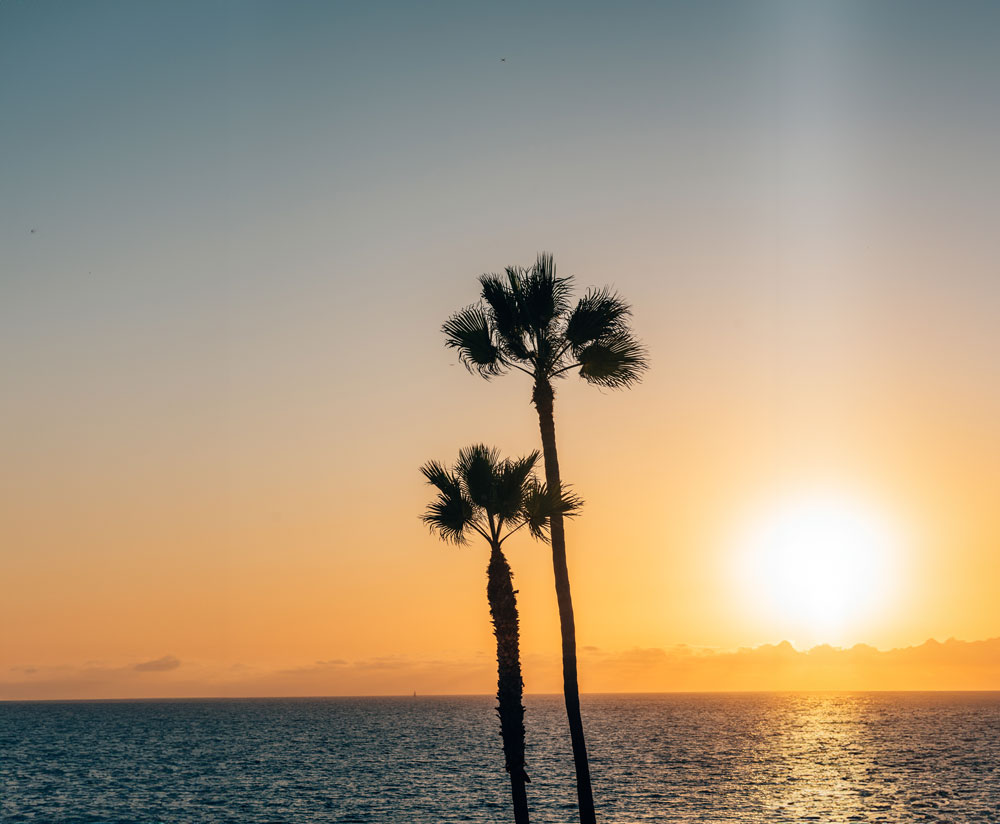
{"x":230,"y":232}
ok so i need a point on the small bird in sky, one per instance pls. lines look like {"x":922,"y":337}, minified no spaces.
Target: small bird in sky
{"x":32,"y":231}
{"x":503,"y":59}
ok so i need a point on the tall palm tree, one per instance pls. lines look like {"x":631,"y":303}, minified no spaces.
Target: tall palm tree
{"x":495,"y":498}
{"x":524,"y":321}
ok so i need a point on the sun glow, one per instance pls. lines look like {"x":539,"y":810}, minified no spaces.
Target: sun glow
{"x":820,"y":566}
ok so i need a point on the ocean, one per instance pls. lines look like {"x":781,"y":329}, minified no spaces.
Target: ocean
{"x":798,"y":757}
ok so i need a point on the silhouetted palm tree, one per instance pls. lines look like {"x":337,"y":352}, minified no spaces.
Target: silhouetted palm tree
{"x":524,"y":322}
{"x":495,"y":498}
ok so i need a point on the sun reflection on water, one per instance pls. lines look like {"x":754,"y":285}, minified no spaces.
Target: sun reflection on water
{"x":827,"y":764}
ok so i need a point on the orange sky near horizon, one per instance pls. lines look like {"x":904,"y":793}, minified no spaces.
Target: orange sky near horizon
{"x":220,"y":393}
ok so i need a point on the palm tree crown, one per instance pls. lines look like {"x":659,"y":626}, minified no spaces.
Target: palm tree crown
{"x":491,"y":496}
{"x":524,"y":321}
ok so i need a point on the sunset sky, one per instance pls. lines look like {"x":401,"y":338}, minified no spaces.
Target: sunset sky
{"x":230,"y":233}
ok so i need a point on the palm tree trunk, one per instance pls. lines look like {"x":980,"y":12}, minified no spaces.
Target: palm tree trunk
{"x":503,"y":609}
{"x":543,"y":397}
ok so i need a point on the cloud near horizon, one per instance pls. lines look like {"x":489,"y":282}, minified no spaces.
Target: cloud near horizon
{"x":933,"y":665}
{"x":952,"y":665}
{"x":164,"y":664}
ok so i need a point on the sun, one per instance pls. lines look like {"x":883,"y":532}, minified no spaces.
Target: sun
{"x":819,"y":566}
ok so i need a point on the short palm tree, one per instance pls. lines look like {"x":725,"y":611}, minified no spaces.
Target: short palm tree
{"x":495,"y":498}
{"x":524,"y":321}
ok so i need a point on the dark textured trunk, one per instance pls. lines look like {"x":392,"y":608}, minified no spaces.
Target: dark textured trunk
{"x":543,"y":400}
{"x":510,"y":687}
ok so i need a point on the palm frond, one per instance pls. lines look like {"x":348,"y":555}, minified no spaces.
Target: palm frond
{"x":444,"y":479}
{"x":616,"y":361}
{"x":541,"y":503}
{"x":511,"y":484}
{"x":451,"y":516}
{"x":477,"y":468}
{"x":599,"y":314}
{"x":570,"y":503}
{"x":468,"y":331}
{"x":504,"y":311}
{"x":542,"y":297}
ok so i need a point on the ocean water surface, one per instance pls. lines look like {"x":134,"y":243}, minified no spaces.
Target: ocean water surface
{"x":857,"y":757}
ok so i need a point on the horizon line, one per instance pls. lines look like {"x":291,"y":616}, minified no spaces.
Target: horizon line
{"x":485,"y":695}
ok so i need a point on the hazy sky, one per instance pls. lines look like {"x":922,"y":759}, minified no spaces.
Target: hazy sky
{"x":230,"y":232}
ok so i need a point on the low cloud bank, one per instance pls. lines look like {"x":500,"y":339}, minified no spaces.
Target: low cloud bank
{"x":951,"y":665}
{"x":164,"y":664}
